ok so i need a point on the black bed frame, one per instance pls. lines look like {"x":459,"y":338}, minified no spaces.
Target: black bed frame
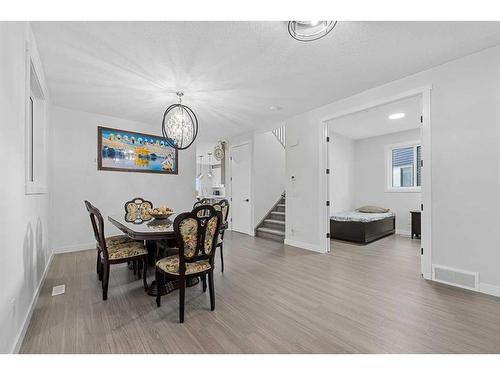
{"x":357,"y":231}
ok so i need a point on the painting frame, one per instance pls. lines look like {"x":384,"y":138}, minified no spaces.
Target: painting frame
{"x":101,"y":167}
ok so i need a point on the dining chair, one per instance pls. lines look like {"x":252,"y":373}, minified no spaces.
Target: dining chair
{"x":113,"y":250}
{"x":222,"y":206}
{"x":196,"y":236}
{"x":137,"y":208}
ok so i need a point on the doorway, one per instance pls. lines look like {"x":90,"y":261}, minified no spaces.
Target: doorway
{"x":241,"y":168}
{"x":397,"y":152}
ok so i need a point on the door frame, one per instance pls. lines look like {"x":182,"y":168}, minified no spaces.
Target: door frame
{"x":426,"y":237}
{"x":251,"y":229}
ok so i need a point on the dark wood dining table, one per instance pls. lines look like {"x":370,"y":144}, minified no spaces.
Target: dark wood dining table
{"x":151,"y":231}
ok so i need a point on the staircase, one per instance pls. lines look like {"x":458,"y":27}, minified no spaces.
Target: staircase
{"x":273,"y":225}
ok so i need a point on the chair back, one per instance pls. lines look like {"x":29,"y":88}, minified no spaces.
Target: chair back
{"x":196,"y":234}
{"x":98,"y":226}
{"x":223,"y":206}
{"x":137,"y":208}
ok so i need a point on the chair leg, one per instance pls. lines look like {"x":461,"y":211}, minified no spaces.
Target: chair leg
{"x":139,"y":268}
{"x":158,"y":277}
{"x":204,"y":282}
{"x":145,"y":272}
{"x":105,"y":282}
{"x":221,"y":258}
{"x":182,"y":294}
{"x":211,"y":289}
{"x":98,"y":261}
{"x":134,"y":262}
{"x":100,"y":267}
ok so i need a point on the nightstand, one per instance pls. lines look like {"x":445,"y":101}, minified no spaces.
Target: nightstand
{"x":415,"y":224}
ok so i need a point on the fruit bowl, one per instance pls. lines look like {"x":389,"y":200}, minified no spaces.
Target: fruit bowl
{"x":161,"y":213}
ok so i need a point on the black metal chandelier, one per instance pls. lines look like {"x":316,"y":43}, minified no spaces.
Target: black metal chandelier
{"x":180,"y":125}
{"x":307,"y":31}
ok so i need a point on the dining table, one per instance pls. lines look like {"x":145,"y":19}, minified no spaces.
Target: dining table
{"x":152,"y":231}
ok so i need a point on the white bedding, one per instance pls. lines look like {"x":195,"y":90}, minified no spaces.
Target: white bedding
{"x":360,"y":216}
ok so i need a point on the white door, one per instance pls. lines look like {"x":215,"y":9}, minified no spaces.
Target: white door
{"x":240,"y":188}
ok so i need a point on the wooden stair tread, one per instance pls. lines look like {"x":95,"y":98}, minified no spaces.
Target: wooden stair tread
{"x":271,"y":231}
{"x":272,"y":221}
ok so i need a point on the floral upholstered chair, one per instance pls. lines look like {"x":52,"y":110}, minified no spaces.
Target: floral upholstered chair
{"x":223,"y":207}
{"x":137,"y":210}
{"x":197,"y":237}
{"x":113,"y":250}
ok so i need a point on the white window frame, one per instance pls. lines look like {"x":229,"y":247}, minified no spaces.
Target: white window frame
{"x":389,"y":172}
{"x":35,"y":136}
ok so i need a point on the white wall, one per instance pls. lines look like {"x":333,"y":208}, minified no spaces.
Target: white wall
{"x":269,"y":173}
{"x":370,"y":178}
{"x":25,"y":251}
{"x":465,"y":144}
{"x":75,"y":178}
{"x":341,"y":163}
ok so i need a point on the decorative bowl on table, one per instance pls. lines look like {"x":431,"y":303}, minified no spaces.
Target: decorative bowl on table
{"x":160,"y":213}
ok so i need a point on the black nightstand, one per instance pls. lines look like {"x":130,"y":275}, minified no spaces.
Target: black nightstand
{"x":415,"y":224}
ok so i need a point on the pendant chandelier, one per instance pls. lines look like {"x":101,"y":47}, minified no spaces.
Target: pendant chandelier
{"x":200,"y":175}
{"x":307,"y":31}
{"x":179,"y":125}
{"x":209,"y":173}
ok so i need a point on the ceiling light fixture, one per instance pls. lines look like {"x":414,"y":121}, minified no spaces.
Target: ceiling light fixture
{"x":179,"y":125}
{"x":209,"y":173}
{"x":275,"y":108}
{"x":307,"y":31}
{"x":396,"y":116}
{"x":200,"y":175}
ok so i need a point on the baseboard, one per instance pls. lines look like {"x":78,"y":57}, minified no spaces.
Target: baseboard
{"x":493,"y":290}
{"x":72,"y":248}
{"x":304,"y":245}
{"x":402,"y":232}
{"x":20,"y":336}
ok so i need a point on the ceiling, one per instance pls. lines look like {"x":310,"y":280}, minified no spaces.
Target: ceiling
{"x":232,"y":72}
{"x":375,"y":121}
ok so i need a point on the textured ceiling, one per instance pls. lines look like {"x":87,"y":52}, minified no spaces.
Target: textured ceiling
{"x":232,"y":72}
{"x":374,"y":121}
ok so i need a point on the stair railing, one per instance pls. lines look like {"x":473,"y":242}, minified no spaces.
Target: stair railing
{"x":280,"y":135}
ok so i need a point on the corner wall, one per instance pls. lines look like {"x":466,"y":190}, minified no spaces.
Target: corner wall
{"x":465,"y":144}
{"x":370,"y":178}
{"x":75,"y":178}
{"x":25,"y":251}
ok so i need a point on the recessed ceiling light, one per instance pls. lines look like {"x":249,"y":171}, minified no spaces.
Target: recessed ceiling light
{"x":275,"y":108}
{"x":396,"y":116}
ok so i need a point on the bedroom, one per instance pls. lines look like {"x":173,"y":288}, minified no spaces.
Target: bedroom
{"x":375,"y":159}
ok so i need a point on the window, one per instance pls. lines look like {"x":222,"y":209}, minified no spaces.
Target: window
{"x":35,"y":130}
{"x":404,"y":167}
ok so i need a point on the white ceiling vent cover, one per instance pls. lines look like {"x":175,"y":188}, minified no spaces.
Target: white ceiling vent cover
{"x":455,"y":277}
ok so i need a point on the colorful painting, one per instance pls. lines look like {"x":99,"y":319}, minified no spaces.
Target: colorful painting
{"x":125,"y":151}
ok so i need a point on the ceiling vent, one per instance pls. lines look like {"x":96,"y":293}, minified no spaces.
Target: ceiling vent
{"x":455,"y":277}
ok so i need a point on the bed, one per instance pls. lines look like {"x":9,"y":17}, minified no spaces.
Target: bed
{"x":362,"y":227}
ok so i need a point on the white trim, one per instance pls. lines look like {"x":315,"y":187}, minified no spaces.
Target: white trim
{"x":425,"y":92}
{"x":492,"y":290}
{"x":27,"y":319}
{"x":73,"y":248}
{"x":304,"y":245}
{"x":403,"y":232}
{"x":33,"y":66}
{"x":458,"y":270}
{"x":251,"y":229}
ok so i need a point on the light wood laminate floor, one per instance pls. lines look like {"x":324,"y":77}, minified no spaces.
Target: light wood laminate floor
{"x":271,"y":298}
